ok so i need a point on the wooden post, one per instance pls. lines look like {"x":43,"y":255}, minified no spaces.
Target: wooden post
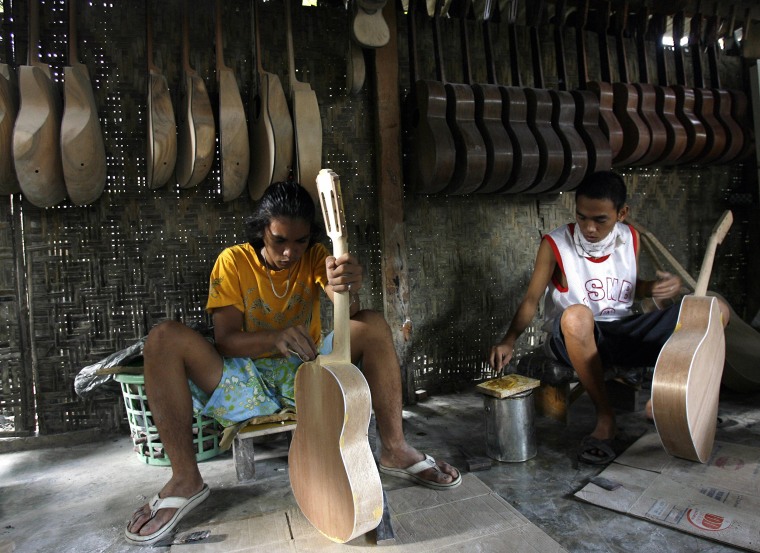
{"x":390,"y":184}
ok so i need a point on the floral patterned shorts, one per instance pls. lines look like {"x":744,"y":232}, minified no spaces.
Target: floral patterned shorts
{"x":252,"y":387}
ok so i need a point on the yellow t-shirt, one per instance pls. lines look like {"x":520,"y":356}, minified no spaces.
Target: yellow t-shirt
{"x":240,"y":279}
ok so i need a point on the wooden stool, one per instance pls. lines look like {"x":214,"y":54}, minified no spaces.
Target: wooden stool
{"x":243,"y":446}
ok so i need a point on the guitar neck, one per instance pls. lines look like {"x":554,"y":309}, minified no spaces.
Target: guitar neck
{"x":341,"y":312}
{"x":695,"y":47}
{"x":437,"y":46}
{"x":716,"y":237}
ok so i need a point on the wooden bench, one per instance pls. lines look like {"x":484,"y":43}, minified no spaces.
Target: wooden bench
{"x":244,"y":445}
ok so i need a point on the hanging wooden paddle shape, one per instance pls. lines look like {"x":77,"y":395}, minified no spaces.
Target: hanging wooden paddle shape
{"x":724,"y":99}
{"x":197,"y":131}
{"x":37,"y":131}
{"x":82,"y":150}
{"x":332,"y":470}
{"x":162,"y":129}
{"x":687,"y":375}
{"x":234,"y":150}
{"x":8,"y":113}
{"x":587,"y":109}
{"x":307,"y":123}
{"x":433,"y":152}
{"x":271,"y":126}
{"x":665,"y":102}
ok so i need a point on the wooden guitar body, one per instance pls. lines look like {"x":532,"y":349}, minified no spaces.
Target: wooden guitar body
{"x":636,"y":135}
{"x":471,"y":158}
{"x":83,"y":152}
{"x":704,"y":107}
{"x":587,"y":123}
{"x":527,"y":157}
{"x":686,"y":381}
{"x":233,"y":136}
{"x":734,"y":134}
{"x":551,"y":153}
{"x":197,"y":133}
{"x":272,"y":140}
{"x":8,"y":112}
{"x":687,"y":375}
{"x":575,"y":151}
{"x":307,"y":123}
{"x":332,"y":470}
{"x":499,"y":150}
{"x":434,"y":155}
{"x":647,"y":109}
{"x":607,"y":121}
{"x":36,"y":135}
{"x":675,"y":133}
{"x":196,"y":141}
{"x":696,"y":135}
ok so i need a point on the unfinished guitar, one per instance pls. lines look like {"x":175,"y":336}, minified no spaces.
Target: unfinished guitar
{"x":332,"y":470}
{"x":686,"y":381}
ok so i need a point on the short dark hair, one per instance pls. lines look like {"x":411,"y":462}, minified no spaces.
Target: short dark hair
{"x":282,"y":200}
{"x":604,"y":185}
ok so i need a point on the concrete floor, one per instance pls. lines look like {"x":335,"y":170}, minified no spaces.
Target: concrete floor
{"x":78,"y":498}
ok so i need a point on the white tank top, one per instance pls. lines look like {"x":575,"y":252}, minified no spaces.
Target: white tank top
{"x":607,"y":285}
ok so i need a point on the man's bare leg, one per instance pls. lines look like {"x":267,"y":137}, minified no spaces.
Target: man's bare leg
{"x":372,"y":342}
{"x":578,"y":329}
{"x":173,"y":353}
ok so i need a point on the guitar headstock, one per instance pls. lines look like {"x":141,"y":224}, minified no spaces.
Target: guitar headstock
{"x":331,"y":200}
{"x":721,"y":227}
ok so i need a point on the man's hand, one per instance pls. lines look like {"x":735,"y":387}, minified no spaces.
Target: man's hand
{"x":344,"y":274}
{"x":500,"y":356}
{"x":666,"y":286}
{"x":296,"y":339}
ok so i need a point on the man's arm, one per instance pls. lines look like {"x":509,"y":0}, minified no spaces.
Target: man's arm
{"x":501,"y":354}
{"x":665,"y":285}
{"x":233,"y":341}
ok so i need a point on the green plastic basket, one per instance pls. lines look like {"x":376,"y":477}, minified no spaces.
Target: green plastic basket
{"x":147,"y":442}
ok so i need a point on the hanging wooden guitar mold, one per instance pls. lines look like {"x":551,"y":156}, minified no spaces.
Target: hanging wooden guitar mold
{"x":234,"y":149}
{"x":8,"y":112}
{"x":197,"y":131}
{"x":37,"y":132}
{"x":162,"y":129}
{"x":82,"y":149}
{"x":687,"y":375}
{"x":332,"y":470}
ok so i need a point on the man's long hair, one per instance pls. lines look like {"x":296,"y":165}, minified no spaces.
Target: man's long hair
{"x":282,"y":200}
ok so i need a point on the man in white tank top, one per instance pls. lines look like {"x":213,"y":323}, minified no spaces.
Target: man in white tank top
{"x":587,"y":273}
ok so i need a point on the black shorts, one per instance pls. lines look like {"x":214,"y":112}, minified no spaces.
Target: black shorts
{"x":635,"y":341}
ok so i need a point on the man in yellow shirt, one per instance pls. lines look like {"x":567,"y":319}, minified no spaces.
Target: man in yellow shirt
{"x":264,"y":299}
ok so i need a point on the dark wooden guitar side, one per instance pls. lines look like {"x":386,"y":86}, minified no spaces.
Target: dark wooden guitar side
{"x":514,"y":116}
{"x":587,"y":111}
{"x":471,"y":160}
{"x":636,"y":134}
{"x":563,"y":113}
{"x":723,"y":98}
{"x":648,"y":94}
{"x":665,"y":102}
{"x":433,"y":153}
{"x":705,"y":103}
{"x":540,"y":109}
{"x":603,"y":88}
{"x":488,"y":110}
{"x":696,"y":135}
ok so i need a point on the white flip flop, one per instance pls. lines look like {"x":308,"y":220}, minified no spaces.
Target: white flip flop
{"x":183,"y":505}
{"x":411,"y":474}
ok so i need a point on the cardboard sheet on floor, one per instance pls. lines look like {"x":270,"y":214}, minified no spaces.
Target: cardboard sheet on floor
{"x":718,"y":500}
{"x":469,"y":518}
